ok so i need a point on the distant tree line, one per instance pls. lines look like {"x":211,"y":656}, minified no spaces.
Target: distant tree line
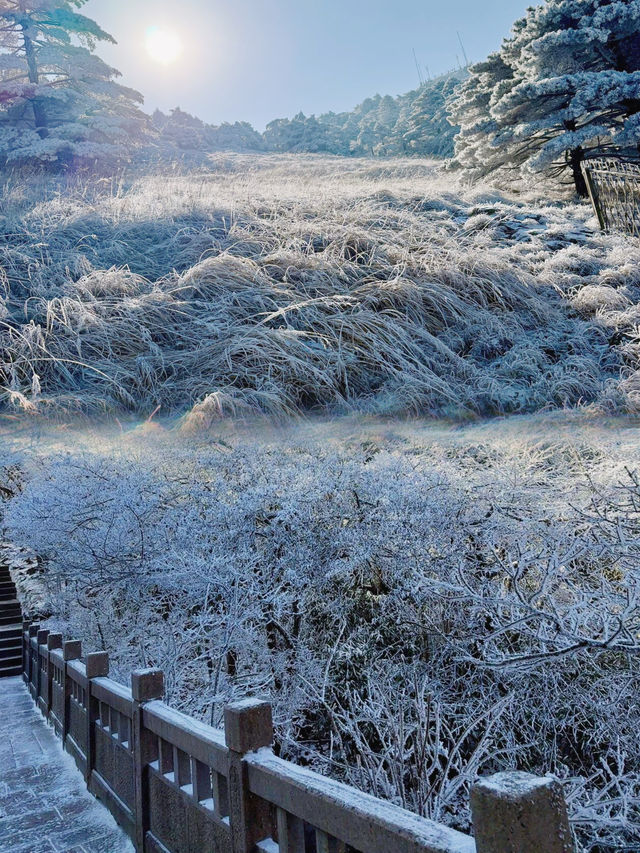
{"x":382,"y":126}
{"x":564,"y":87}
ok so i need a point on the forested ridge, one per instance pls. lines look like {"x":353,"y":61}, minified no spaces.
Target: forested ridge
{"x":381,"y":126}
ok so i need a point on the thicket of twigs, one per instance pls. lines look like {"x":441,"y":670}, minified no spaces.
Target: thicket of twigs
{"x":421,"y":606}
{"x":282,"y":284}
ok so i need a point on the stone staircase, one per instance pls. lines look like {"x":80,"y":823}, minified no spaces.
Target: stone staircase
{"x":10,"y":626}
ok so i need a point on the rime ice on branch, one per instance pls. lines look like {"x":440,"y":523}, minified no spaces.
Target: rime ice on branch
{"x":59,"y":102}
{"x":562,"y":88}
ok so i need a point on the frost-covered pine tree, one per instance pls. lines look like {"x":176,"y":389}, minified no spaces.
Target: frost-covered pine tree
{"x":428,"y":132}
{"x":564,"y":87}
{"x":300,"y":134}
{"x":59,"y":102}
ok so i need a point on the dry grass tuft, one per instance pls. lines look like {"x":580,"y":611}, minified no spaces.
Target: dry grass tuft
{"x":287,"y":284}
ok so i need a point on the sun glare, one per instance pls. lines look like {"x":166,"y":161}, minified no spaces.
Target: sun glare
{"x":163,"y":46}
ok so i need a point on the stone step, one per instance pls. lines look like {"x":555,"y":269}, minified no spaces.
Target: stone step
{"x":18,"y":628}
{"x":6,"y":672}
{"x":10,"y":651}
{"x":10,"y":604}
{"x":11,"y":621}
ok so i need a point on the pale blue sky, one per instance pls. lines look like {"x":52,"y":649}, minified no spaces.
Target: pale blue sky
{"x":262,"y":59}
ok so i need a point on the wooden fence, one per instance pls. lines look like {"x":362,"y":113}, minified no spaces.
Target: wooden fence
{"x":179,"y":786}
{"x":614,"y":189}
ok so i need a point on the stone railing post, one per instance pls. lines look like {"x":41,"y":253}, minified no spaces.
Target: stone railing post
{"x":248,"y":726}
{"x":97,"y":666}
{"x":33,"y":661}
{"x":146,"y":685}
{"x":516,"y":812}
{"x":41,"y":638}
{"x":25,"y":650}
{"x":54,"y":641}
{"x":71,"y":650}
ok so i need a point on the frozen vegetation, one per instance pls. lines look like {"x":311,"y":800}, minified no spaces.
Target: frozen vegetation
{"x":253,"y":412}
{"x":421,"y":602}
{"x":285,"y":284}
{"x":415,"y":123}
{"x":562,"y":89}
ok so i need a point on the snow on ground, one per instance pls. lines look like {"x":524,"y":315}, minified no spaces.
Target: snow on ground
{"x":44,"y":804}
{"x":423,"y":598}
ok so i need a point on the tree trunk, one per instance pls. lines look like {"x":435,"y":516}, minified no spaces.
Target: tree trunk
{"x":39,"y":113}
{"x":574,"y":159}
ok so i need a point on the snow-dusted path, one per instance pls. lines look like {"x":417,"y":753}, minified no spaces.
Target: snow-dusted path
{"x":44,"y":805}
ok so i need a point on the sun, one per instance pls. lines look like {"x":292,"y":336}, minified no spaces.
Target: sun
{"x":163,"y":45}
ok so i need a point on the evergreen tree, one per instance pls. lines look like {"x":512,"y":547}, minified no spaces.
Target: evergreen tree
{"x":427,"y":130}
{"x":239,"y":136}
{"x":59,"y":102}
{"x":563,"y":87}
{"x":381,"y":126}
{"x":181,"y":130}
{"x":299,"y":134}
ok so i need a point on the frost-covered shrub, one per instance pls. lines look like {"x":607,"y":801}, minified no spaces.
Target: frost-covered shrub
{"x":418,"y":610}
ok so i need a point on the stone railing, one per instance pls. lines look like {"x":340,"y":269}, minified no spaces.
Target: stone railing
{"x":179,"y":786}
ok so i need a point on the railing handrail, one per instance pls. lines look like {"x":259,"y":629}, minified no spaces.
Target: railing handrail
{"x":112,"y":693}
{"x":175,"y":783}
{"x":201,"y":741}
{"x":373,"y":822}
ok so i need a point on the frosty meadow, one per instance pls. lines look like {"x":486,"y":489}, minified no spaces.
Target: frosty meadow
{"x":342,"y":415}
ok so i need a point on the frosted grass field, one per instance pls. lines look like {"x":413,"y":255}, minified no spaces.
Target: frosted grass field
{"x":349,"y":435}
{"x":284,"y":284}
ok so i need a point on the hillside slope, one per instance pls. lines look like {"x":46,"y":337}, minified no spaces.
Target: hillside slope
{"x":284,"y":284}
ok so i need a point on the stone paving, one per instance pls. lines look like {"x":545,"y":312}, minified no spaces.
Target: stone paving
{"x":44,"y":805}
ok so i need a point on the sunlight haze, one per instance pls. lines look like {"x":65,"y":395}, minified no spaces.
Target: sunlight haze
{"x":256,"y":61}
{"x":163,"y":46}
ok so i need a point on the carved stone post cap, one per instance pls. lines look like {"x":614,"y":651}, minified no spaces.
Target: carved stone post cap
{"x":33,"y":629}
{"x":147,"y":684}
{"x":54,"y":641}
{"x":248,"y":725}
{"x":25,"y":624}
{"x":72,"y":649}
{"x":515,"y":811}
{"x":42,"y":635}
{"x":97,"y":664}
